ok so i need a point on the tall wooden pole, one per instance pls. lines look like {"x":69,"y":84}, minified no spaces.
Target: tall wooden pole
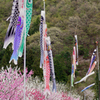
{"x":24,"y":47}
{"x":44,"y":10}
{"x":98,"y":68}
{"x":84,"y":96}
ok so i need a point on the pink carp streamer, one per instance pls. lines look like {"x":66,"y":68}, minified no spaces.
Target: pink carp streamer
{"x":93,"y":66}
{"x":46,"y":59}
{"x":93,"y":57}
{"x":52,"y":71}
{"x":46,"y":65}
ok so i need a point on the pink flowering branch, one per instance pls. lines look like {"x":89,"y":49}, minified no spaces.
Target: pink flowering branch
{"x":11,"y":84}
{"x":11,"y":87}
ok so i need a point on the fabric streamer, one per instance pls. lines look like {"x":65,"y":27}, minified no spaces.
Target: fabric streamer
{"x":76,"y":44}
{"x":74,"y":57}
{"x":12,"y":26}
{"x":41,"y":37}
{"x":87,"y":87}
{"x":46,"y":65}
{"x":84,"y":78}
{"x":22,"y":15}
{"x":93,"y":66}
{"x":28,"y":21}
{"x":73,"y":68}
{"x":92,"y":60}
{"x":74,"y":60}
{"x":44,"y":58}
{"x":18,"y":32}
{"x":52,"y":72}
{"x":72,"y":75}
{"x":17,"y":40}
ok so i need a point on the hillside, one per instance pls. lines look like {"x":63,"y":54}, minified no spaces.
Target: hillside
{"x":64,"y":19}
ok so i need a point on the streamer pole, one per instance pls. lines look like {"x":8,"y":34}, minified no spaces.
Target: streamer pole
{"x":97,"y":60}
{"x":44,"y":10}
{"x":24,"y":48}
{"x":98,"y":68}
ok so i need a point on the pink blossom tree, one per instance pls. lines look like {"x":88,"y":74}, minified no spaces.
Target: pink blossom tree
{"x":12,"y":85}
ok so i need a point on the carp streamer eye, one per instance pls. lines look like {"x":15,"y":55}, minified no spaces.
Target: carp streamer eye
{"x":30,"y":1}
{"x":18,"y":23}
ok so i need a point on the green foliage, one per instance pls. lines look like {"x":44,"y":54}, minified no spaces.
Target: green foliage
{"x":67,"y":39}
{"x":97,"y":85}
{"x":35,"y":25}
{"x":86,"y":53}
{"x":64,"y":19}
{"x":33,"y":61}
{"x":5,"y":57}
{"x":4,"y":11}
{"x":83,"y":51}
{"x":62,"y":63}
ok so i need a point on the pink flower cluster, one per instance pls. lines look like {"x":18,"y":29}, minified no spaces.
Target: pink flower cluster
{"x":12,"y":85}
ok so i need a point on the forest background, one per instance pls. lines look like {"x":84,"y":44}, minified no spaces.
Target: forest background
{"x":64,"y":19}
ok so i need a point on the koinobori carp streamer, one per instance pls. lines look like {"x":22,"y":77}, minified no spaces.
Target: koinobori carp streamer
{"x":52,"y":72}
{"x":12,"y":26}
